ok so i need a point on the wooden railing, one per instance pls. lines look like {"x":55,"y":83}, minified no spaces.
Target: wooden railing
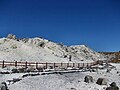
{"x":46,"y":65}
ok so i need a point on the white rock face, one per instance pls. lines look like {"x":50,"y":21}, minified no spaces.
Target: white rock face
{"x":42,"y":50}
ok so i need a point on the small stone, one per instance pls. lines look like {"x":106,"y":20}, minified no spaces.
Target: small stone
{"x":118,"y":72}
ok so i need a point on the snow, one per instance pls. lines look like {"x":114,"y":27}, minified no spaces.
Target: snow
{"x":29,"y":50}
{"x":63,"y":81}
{"x":68,"y":81}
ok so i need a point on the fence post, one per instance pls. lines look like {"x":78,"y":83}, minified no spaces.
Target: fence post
{"x":83,"y":64}
{"x":73,"y":65}
{"x":87,"y":65}
{"x":78,"y":65}
{"x":61,"y":64}
{"x":67,"y":65}
{"x":15,"y":63}
{"x":91,"y":64}
{"x":46,"y":65}
{"x":26,"y":64}
{"x":54,"y":65}
{"x":3,"y":64}
{"x":36,"y":65}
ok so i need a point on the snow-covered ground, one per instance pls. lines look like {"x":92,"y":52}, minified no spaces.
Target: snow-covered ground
{"x":66,"y":81}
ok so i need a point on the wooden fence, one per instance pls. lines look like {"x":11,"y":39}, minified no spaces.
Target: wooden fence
{"x":46,"y":65}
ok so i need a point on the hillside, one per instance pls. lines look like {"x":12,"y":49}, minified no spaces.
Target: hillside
{"x":114,"y":56}
{"x":42,"y":50}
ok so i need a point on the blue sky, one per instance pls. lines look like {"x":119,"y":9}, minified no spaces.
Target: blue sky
{"x":95,"y":23}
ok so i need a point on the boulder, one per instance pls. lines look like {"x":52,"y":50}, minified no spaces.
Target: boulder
{"x":101,"y":81}
{"x":3,"y":86}
{"x":88,"y":79}
{"x":112,"y":86}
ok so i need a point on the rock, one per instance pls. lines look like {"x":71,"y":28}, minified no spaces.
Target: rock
{"x":65,"y":56}
{"x":88,"y":79}
{"x":30,"y":69}
{"x":93,"y":70}
{"x":118,"y":72}
{"x":101,"y":81}
{"x":25,"y":40}
{"x":3,"y":86}
{"x":14,"y":70}
{"x":112,"y":86}
{"x":108,"y":70}
{"x":41,"y":44}
{"x":11,"y":36}
{"x":22,"y":70}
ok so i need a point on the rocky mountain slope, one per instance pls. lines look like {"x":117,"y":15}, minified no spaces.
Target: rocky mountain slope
{"x":113,"y":56}
{"x":42,"y":50}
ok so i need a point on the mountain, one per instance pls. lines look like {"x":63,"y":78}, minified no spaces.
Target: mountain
{"x":42,"y":50}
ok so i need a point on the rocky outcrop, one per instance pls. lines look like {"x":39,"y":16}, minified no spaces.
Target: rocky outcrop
{"x":112,"y":56}
{"x":11,"y":36}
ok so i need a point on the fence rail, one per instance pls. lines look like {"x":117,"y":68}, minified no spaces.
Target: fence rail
{"x":46,"y":65}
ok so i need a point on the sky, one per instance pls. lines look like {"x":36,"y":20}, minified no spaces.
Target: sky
{"x":95,"y":23}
